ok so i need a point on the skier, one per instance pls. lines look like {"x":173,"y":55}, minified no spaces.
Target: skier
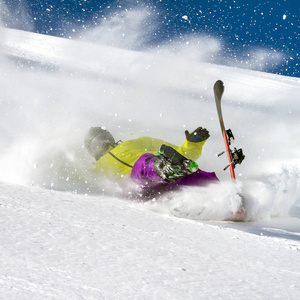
{"x":155,"y":165}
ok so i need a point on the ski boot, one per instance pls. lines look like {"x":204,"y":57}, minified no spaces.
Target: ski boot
{"x":171,"y":165}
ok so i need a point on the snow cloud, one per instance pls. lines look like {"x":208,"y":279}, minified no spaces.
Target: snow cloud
{"x":260,"y":59}
{"x":129,"y":29}
{"x":136,"y":29}
{"x":15,"y":15}
{"x":198,"y":48}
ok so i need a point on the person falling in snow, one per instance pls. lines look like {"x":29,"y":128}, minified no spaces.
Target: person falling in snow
{"x":155,"y":165}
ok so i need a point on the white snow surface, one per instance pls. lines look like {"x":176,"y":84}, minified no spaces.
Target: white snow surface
{"x":66,"y":234}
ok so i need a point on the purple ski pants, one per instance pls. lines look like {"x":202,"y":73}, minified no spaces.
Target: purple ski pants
{"x":144,"y":174}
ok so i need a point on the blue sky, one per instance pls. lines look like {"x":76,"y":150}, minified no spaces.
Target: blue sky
{"x":267,"y":31}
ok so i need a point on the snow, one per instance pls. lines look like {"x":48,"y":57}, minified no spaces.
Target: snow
{"x":67,"y":235}
{"x":57,"y":245}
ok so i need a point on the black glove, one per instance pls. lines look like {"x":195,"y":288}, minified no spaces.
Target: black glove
{"x":198,"y":135}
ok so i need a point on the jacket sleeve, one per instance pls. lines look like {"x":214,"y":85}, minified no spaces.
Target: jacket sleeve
{"x":191,"y":150}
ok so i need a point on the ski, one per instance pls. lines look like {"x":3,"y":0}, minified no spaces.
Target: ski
{"x":235,"y":156}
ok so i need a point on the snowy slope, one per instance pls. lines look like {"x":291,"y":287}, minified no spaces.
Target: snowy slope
{"x":57,"y":245}
{"x":66,"y":236}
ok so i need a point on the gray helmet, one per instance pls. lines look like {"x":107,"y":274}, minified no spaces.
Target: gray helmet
{"x":97,"y":141}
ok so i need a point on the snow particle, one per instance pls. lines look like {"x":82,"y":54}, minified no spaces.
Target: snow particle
{"x":284,"y":17}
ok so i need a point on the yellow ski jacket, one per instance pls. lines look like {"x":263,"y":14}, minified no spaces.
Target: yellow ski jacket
{"x":118,"y":161}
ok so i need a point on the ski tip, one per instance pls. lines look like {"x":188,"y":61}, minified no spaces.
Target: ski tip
{"x":219,"y":89}
{"x":219,"y":83}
